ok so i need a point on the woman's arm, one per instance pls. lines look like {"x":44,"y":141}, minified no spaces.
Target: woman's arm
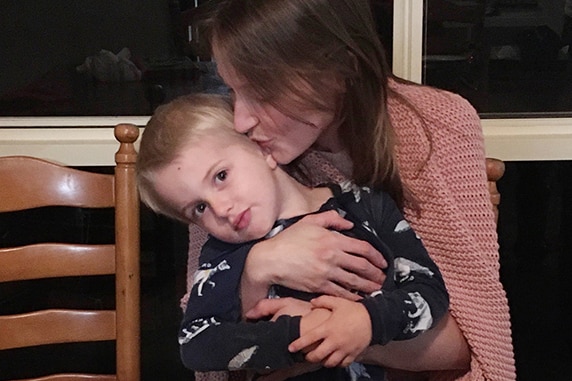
{"x":442,"y":347}
{"x":309,"y":256}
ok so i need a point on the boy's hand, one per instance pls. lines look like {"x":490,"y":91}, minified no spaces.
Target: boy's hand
{"x":310,"y":321}
{"x":276,"y":307}
{"x":339,"y":339}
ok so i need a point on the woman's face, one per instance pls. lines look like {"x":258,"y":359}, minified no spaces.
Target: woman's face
{"x":281,"y":135}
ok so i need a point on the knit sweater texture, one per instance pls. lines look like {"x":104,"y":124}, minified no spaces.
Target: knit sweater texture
{"x":441,"y":159}
{"x":444,"y":167}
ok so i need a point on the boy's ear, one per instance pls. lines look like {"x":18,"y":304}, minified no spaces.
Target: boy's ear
{"x":270,"y":160}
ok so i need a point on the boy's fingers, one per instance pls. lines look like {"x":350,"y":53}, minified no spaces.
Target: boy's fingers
{"x":324,"y":301}
{"x":322,"y":354}
{"x":266,"y":307}
{"x":333,"y":360}
{"x":304,"y":341}
{"x":347,"y":361}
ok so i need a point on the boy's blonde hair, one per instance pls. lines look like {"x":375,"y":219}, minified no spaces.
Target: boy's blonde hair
{"x":171,"y":129}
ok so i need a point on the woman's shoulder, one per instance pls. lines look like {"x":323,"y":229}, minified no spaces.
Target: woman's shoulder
{"x":420,"y":109}
{"x":425,"y":95}
{"x":430,"y":102}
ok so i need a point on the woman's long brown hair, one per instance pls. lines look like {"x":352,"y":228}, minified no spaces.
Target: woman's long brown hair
{"x":276,"y":45}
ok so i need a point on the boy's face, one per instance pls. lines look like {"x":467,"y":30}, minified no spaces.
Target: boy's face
{"x":226,"y":186}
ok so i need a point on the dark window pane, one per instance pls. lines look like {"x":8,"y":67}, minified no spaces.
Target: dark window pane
{"x":508,"y":57}
{"x":108,"y":57}
{"x":383,"y":15}
{"x":535,"y":222}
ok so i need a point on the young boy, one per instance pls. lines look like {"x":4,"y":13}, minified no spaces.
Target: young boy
{"x":194,"y":167}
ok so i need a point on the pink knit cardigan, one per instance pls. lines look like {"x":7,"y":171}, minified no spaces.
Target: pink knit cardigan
{"x":443,"y":164}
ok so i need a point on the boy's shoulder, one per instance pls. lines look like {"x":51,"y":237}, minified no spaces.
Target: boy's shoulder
{"x":349,"y":192}
{"x":214,"y":250}
{"x":360,"y":201}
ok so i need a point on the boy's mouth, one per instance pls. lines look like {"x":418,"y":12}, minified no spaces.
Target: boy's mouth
{"x":242,"y":220}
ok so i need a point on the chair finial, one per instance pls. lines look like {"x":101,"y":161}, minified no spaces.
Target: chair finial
{"x":126,"y":132}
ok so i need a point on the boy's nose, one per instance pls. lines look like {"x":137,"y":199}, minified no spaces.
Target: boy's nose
{"x":221,"y":207}
{"x":244,"y":119}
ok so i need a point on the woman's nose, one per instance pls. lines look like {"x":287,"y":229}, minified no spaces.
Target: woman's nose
{"x":244,"y":119}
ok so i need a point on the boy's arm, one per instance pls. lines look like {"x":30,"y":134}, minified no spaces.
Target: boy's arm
{"x":213,"y":336}
{"x":230,"y":346}
{"x":414,"y":297}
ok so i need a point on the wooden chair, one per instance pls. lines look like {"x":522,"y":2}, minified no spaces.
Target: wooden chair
{"x":495,"y":170}
{"x":27,"y":183}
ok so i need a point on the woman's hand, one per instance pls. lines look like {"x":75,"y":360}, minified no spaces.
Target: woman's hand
{"x":312,"y":256}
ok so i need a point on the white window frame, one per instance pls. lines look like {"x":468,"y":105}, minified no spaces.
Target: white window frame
{"x":89,"y":140}
{"x":511,"y":139}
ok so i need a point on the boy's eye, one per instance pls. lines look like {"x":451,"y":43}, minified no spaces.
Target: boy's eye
{"x":200,"y":209}
{"x":221,"y":176}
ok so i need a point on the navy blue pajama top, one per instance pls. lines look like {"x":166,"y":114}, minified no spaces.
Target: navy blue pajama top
{"x":413,"y":298}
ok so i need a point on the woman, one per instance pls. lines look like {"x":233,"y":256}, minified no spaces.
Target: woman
{"x":312,"y":87}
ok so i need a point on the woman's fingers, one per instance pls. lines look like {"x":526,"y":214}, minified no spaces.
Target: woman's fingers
{"x":355,"y":278}
{"x":356,"y":265}
{"x":336,"y":290}
{"x":363,"y":250}
{"x":310,"y":256}
{"x":329,"y":220}
{"x":353,"y":255}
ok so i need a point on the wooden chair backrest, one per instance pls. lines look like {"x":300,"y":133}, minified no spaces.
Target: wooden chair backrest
{"x":26,"y":183}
